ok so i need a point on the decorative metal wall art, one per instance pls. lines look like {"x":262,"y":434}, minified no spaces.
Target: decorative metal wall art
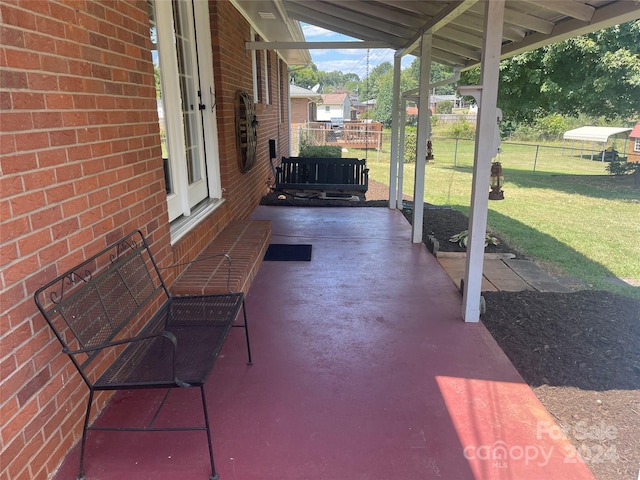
{"x":246,"y":134}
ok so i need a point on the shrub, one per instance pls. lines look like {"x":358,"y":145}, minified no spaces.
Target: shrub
{"x":445,"y":106}
{"x":622,"y":167}
{"x":525,"y":133}
{"x":320,"y":151}
{"x":462,"y":129}
{"x":551,"y":127}
{"x":410,"y":144}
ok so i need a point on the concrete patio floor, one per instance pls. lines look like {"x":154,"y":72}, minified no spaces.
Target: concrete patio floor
{"x":363,"y":369}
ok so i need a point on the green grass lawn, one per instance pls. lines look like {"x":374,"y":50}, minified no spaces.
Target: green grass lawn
{"x":568,"y":214}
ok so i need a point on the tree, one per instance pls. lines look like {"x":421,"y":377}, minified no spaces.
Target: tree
{"x":306,"y":77}
{"x":335,"y":81}
{"x":596,"y":74}
{"x":370,"y":87}
{"x":608,"y":83}
{"x":384,"y":100}
{"x":438,"y":72}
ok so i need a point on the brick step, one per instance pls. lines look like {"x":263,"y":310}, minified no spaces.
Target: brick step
{"x":245,"y":241}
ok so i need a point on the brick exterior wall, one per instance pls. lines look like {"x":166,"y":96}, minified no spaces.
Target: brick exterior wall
{"x":300,"y":110}
{"x":81,"y":165}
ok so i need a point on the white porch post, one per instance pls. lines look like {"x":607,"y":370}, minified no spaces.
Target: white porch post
{"x":403,"y":124}
{"x":424,"y":131}
{"x":484,"y":146}
{"x":393,"y":172}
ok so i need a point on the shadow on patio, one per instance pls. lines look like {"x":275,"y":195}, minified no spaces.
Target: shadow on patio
{"x":363,"y":369}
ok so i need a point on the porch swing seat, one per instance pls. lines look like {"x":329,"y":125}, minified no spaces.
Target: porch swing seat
{"x":347,"y":176}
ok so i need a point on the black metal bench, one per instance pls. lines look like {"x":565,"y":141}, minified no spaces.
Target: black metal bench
{"x":123,"y":330}
{"x":329,"y":175}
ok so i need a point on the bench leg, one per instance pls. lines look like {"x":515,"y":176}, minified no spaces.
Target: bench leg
{"x":214,"y":475}
{"x":246,"y":333}
{"x":81,"y":475}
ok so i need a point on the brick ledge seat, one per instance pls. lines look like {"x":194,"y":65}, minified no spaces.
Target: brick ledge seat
{"x":245,"y":241}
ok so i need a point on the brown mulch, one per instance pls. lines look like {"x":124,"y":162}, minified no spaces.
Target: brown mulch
{"x":579,"y":351}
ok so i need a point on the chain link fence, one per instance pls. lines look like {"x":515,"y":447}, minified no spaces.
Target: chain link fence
{"x":375,"y":145}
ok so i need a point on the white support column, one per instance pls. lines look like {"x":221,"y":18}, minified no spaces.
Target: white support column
{"x":403,"y":124}
{"x":424,"y":131}
{"x":393,"y":172}
{"x":485,"y":134}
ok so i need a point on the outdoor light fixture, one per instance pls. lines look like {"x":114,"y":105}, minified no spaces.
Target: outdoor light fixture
{"x":429,"y":150}
{"x":497,"y":180}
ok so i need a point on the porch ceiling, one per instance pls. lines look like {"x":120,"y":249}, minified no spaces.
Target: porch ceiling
{"x":457,"y":26}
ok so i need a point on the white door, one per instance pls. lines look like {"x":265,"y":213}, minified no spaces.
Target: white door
{"x":186,"y":99}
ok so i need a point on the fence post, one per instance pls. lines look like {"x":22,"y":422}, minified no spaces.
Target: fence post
{"x":455,"y":154}
{"x":535,"y":160}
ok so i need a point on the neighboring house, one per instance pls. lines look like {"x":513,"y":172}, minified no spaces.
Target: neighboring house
{"x":434,"y":100}
{"x":82,"y":164}
{"x":304,"y":104}
{"x":334,"y":105}
{"x":633,"y":152}
{"x":412,"y":114}
{"x":358,"y":108}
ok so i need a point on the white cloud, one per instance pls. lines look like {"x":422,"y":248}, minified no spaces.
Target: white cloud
{"x":352,"y":52}
{"x":348,"y":52}
{"x":347,"y":60}
{"x":311,"y":31}
{"x":332,"y":65}
{"x":319,"y":53}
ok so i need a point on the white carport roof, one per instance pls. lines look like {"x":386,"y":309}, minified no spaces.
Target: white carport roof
{"x":594,"y":134}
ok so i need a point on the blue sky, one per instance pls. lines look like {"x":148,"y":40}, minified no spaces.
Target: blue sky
{"x":347,"y":61}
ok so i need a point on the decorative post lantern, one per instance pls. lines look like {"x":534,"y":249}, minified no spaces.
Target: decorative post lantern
{"x":429,"y":150}
{"x":497,"y":180}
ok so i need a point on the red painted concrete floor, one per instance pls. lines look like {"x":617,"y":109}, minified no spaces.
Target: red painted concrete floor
{"x":363,"y":369}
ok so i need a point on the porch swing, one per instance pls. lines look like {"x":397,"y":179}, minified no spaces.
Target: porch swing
{"x":325,"y":178}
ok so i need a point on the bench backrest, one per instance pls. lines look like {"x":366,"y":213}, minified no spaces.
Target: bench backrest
{"x":326,"y":171}
{"x":100,"y":300}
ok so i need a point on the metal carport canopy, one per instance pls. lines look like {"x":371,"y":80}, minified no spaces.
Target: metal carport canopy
{"x":594,"y":134}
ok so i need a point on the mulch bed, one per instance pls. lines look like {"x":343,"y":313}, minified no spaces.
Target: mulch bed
{"x":579,"y":351}
{"x":442,"y":223}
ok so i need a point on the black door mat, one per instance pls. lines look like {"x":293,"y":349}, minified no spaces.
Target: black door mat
{"x":282,"y":252}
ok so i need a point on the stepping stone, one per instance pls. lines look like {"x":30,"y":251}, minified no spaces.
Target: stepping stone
{"x":536,"y":276}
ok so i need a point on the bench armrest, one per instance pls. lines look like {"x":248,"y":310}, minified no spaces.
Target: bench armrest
{"x":102,"y":346}
{"x":174,"y":342}
{"x":163,"y":333}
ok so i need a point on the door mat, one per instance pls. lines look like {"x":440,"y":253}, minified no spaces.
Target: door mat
{"x":282,"y":252}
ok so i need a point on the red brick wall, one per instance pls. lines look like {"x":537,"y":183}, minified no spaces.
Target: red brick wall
{"x":232,"y":67}
{"x":299,"y":110}
{"x":80,"y":166}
